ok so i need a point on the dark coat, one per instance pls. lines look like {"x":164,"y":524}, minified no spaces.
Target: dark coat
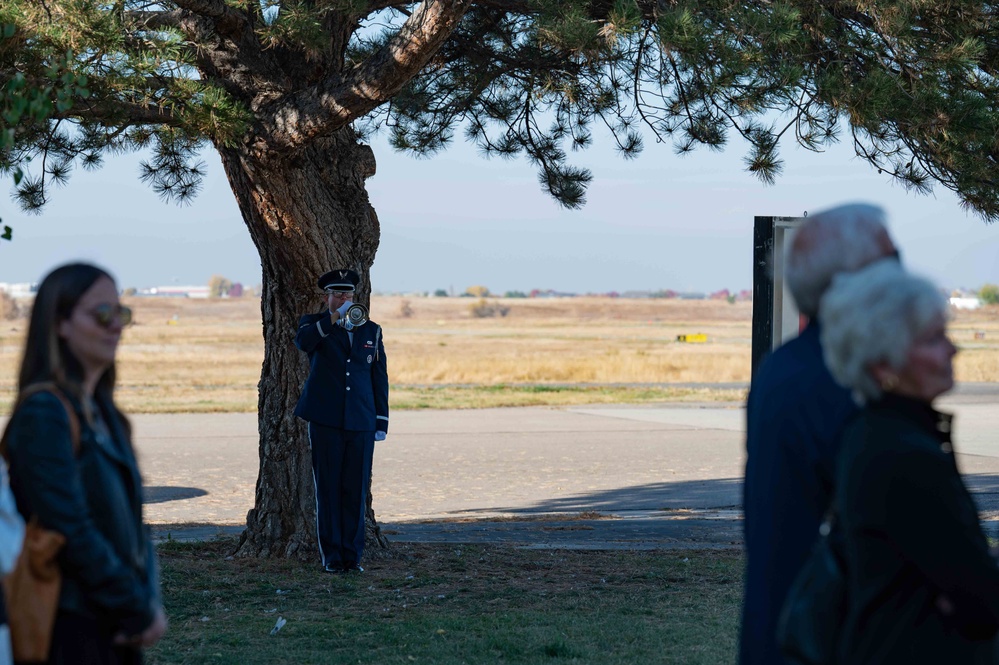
{"x":794,"y":415}
{"x":911,"y":534}
{"x":348,"y":385}
{"x":95,"y":500}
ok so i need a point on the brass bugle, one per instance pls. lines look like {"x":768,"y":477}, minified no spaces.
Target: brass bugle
{"x":356,"y":315}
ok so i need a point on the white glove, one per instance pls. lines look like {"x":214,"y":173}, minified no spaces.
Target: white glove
{"x":342,"y":309}
{"x":380,"y":435}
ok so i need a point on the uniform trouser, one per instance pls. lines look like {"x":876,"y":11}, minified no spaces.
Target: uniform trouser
{"x":341,"y":468}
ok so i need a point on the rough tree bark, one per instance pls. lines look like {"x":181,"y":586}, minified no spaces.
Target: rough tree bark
{"x":280,"y":113}
{"x":306,"y":214}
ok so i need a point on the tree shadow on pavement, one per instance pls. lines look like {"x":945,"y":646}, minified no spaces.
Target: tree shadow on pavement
{"x":716,"y":493}
{"x":162,"y":494}
{"x":984,"y":489}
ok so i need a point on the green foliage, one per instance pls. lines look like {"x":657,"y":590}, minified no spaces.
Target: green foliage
{"x":297,"y":25}
{"x":989,"y":294}
{"x":25,"y":103}
{"x":914,"y":85}
{"x":569,"y":29}
{"x":480,"y":396}
{"x":131,"y":87}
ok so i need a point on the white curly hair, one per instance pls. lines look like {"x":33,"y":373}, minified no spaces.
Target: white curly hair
{"x":874,"y":315}
{"x":841,"y":239}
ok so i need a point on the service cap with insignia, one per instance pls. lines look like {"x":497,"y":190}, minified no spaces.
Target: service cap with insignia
{"x":339,"y":280}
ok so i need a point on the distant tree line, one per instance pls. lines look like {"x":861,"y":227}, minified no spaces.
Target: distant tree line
{"x":480,"y":291}
{"x":222,"y":287}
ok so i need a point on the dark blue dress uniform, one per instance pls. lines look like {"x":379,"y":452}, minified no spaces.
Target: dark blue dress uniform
{"x":345,"y":401}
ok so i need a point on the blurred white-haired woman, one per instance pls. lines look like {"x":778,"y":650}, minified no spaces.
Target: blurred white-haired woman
{"x":923,"y":587}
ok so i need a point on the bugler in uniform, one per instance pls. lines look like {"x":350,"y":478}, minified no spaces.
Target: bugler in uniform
{"x":345,"y":401}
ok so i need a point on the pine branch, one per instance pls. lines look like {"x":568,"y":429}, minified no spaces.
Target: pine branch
{"x":226,"y":20}
{"x":121,"y":112}
{"x":152,"y":20}
{"x":295,"y":120}
{"x":378,"y":5}
{"x":522,"y":7}
{"x":513,"y":6}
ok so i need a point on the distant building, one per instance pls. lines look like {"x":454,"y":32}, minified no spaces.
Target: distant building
{"x":549,"y":293}
{"x":19,"y":289}
{"x":965,"y":302}
{"x":176,"y":292}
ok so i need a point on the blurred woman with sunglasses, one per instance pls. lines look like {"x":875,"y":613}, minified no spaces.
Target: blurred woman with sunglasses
{"x":86,"y":487}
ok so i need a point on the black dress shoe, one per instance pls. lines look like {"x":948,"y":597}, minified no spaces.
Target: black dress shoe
{"x":353,"y":568}
{"x":334,"y":569}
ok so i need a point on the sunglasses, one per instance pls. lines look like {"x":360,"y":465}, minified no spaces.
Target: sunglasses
{"x":106,"y":315}
{"x":340,"y":294}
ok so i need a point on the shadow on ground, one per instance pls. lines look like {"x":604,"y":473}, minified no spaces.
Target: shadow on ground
{"x":162,"y":494}
{"x":679,"y":515}
{"x":722,"y":493}
{"x":984,"y":488}
{"x":682,"y":515}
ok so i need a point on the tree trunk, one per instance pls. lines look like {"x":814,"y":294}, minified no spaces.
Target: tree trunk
{"x":307,"y":214}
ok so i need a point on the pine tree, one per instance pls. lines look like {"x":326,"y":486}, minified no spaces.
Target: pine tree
{"x":23,"y":103}
{"x":287,"y":91}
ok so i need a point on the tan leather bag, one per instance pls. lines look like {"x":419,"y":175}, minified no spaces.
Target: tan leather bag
{"x":31,"y":590}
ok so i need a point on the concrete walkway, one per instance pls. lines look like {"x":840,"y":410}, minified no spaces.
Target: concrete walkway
{"x":593,"y":476}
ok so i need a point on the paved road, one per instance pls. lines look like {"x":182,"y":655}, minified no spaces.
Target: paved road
{"x":657,"y":475}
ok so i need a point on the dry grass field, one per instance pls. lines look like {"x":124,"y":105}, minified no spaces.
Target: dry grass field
{"x":204,"y":355}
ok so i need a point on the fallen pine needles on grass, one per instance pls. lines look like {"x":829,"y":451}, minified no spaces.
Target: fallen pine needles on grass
{"x":447,"y":604}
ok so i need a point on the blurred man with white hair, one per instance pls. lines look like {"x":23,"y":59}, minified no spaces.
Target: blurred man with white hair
{"x":795,"y":415}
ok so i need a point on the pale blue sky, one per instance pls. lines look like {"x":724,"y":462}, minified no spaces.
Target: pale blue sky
{"x":660,"y":221}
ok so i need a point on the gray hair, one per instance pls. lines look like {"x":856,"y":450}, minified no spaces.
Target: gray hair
{"x":842,"y":239}
{"x":873,"y":316}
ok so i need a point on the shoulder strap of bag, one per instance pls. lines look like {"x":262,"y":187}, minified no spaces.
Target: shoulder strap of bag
{"x":47,"y":387}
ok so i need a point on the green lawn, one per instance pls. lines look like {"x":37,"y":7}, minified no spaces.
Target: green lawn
{"x":448,"y":604}
{"x":405,"y":397}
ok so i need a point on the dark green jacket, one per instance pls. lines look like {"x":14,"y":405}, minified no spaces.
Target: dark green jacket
{"x":912,"y":535}
{"x":95,"y":500}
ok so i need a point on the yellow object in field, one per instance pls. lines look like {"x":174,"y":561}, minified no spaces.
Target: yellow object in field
{"x":698,"y":338}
